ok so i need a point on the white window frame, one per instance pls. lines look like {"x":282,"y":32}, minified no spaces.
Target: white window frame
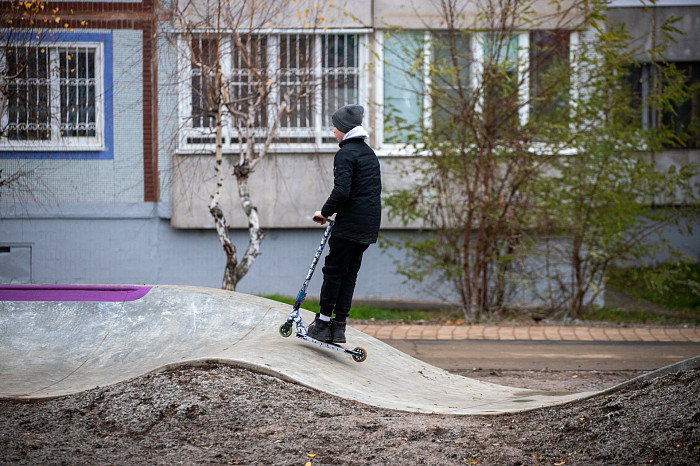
{"x":59,"y":143}
{"x":477,"y":45}
{"x":319,"y":130}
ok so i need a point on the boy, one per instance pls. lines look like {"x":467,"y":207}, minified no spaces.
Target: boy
{"x":356,"y":199}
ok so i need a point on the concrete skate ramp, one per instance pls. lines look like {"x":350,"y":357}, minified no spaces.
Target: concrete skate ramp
{"x":56,"y":347}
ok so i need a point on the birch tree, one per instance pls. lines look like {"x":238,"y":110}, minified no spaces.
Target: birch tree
{"x":218,"y":38}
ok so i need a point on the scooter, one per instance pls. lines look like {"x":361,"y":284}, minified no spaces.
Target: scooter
{"x":358,"y":354}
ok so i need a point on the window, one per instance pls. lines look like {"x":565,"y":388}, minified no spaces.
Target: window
{"x":296,"y":53}
{"x":313,"y":74}
{"x":450,"y":79}
{"x":501,"y":104}
{"x":204,"y":53}
{"x":424,"y":77}
{"x":53,"y":97}
{"x":549,"y":75}
{"x":506,"y":78}
{"x":403,"y":85}
{"x":340,"y":70}
{"x":683,"y":118}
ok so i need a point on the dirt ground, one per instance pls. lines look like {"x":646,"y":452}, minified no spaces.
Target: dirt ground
{"x":220,"y":414}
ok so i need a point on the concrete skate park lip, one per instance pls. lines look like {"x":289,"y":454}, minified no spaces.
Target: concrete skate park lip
{"x":61,"y":340}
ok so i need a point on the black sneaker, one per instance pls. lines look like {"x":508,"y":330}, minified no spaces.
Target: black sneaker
{"x":320,"y":330}
{"x":338,"y":331}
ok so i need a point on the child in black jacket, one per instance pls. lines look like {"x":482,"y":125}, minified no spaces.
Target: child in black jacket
{"x":356,"y":201}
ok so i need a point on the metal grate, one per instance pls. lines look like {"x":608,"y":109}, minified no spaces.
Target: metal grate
{"x":29,"y":93}
{"x":204,"y":59}
{"x":296,"y":58}
{"x":249,"y":77}
{"x":77,"y":87}
{"x":340,"y":72}
{"x":316,"y":73}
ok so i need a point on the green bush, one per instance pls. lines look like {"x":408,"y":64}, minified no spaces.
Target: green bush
{"x":673,"y":286}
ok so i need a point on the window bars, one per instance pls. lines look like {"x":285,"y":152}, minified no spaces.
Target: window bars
{"x":78,"y":91}
{"x":29,"y":93}
{"x":52,"y":94}
{"x":340,"y":85}
{"x":204,"y":57}
{"x":316,"y":74}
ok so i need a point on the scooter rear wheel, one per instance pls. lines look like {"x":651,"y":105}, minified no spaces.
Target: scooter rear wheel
{"x":359,"y":354}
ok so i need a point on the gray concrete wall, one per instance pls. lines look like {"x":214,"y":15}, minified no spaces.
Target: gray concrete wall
{"x":469,"y":14}
{"x":287,"y":188}
{"x":129,"y":243}
{"x":135,"y":244}
{"x":644,"y":24}
{"x":408,"y":14}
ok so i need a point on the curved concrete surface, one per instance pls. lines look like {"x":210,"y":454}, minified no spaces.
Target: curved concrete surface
{"x":53,"y":348}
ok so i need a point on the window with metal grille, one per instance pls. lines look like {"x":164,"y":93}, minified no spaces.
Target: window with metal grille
{"x":340,"y":70}
{"x":313,"y":74}
{"x":52,"y":98}
{"x":295,"y":58}
{"x":248,"y":78}
{"x":28,"y":94}
{"x":204,"y":58}
{"x":78,"y":91}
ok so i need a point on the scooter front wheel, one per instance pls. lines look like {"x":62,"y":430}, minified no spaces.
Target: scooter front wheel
{"x":286,"y":329}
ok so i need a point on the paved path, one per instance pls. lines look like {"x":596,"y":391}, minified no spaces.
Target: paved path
{"x":530,"y":333}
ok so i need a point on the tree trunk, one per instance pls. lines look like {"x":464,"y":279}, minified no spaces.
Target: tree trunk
{"x":255,"y":234}
{"x":229,"y":280}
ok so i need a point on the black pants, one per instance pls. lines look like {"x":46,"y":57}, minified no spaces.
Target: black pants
{"x":339,"y":277}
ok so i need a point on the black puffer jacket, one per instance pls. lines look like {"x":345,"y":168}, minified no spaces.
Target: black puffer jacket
{"x":356,"y":195}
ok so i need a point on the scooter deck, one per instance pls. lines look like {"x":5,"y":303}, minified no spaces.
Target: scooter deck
{"x":358,"y":354}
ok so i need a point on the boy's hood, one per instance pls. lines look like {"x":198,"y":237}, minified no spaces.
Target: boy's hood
{"x":356,"y":132}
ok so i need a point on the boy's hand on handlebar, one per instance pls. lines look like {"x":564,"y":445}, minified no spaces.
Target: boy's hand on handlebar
{"x":319,"y":218}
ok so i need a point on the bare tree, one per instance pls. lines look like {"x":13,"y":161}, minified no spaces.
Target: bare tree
{"x":238,"y":96}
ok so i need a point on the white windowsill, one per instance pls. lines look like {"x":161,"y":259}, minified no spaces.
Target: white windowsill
{"x":51,"y":147}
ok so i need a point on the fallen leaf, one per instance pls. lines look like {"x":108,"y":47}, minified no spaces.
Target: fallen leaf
{"x":279,"y":441}
{"x":312,"y":455}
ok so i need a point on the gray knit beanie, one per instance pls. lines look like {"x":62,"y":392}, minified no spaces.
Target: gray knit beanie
{"x":346,"y":118}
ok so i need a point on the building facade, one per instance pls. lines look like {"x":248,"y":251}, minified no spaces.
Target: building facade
{"x":115,"y":181}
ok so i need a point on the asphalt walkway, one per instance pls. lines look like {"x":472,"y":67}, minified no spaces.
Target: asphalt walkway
{"x":530,"y":333}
